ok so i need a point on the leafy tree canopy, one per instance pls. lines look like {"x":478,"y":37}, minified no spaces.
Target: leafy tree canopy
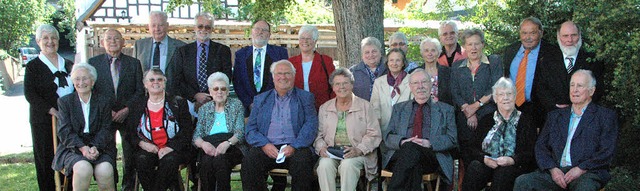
{"x":19,"y":21}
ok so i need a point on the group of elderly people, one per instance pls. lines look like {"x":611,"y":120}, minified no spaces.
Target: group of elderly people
{"x":421,"y":115}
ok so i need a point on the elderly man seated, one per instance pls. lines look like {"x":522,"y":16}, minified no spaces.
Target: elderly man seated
{"x":282,"y":126}
{"x":575,"y":148}
{"x":419,"y":137}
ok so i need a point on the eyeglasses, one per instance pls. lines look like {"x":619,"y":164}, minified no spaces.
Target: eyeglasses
{"x":423,"y":82}
{"x":258,"y":29}
{"x":215,"y":89}
{"x":398,"y":44}
{"x":306,"y":39}
{"x":206,"y":27}
{"x":152,"y":80}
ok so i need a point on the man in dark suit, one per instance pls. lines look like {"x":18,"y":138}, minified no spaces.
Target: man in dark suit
{"x":251,"y":74}
{"x":120,"y":79}
{"x":574,"y":58}
{"x":157,"y":51}
{"x":194,"y":62}
{"x":524,"y":62}
{"x":419,"y":137}
{"x":576,"y":146}
{"x":282,"y":126}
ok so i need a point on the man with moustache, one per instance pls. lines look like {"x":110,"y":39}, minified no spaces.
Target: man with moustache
{"x":524,"y":62}
{"x":119,"y":78}
{"x":157,"y":51}
{"x":575,"y":148}
{"x":194,"y":62}
{"x":575,"y":58}
{"x":251,"y":74}
{"x":419,"y":138}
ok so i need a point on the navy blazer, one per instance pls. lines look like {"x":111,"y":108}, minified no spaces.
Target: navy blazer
{"x":243,"y":83}
{"x":185,"y":81}
{"x":304,"y":118}
{"x":593,"y":143}
{"x":129,"y":86}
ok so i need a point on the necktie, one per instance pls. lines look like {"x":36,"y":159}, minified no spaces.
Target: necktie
{"x":570,"y":67}
{"x":256,"y":70}
{"x":115,"y":74}
{"x":417,"y":122}
{"x":156,"y":56}
{"x":202,"y":69}
{"x":521,"y":78}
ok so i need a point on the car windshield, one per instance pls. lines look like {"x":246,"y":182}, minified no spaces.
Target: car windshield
{"x":30,"y":51}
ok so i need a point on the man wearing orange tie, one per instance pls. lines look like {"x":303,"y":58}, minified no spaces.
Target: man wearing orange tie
{"x":523,"y":62}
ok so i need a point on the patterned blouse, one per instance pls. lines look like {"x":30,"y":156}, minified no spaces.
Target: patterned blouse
{"x":234,"y":116}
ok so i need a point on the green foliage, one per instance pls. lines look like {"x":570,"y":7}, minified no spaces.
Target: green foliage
{"x":623,"y":179}
{"x":19,"y":19}
{"x":309,"y":12}
{"x":272,"y":11}
{"x":215,"y":7}
{"x":3,"y":54}
{"x":67,"y":19}
{"x":416,"y":35}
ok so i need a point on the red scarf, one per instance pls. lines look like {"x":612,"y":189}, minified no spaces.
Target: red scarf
{"x":395,"y":82}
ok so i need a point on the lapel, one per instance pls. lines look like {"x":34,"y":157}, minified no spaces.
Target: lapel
{"x":78,"y":116}
{"x":435,"y":120}
{"x":93,"y":114}
{"x":107,"y":73}
{"x":191,"y":58}
{"x":268,"y":103}
{"x":406,"y":118}
{"x":250,"y":76}
{"x":211,"y":59}
{"x":171,"y":47}
{"x":293,"y":109}
{"x":587,"y":118}
{"x":121,"y":74}
{"x":564,"y":119}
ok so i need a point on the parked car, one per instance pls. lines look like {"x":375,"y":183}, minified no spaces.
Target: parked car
{"x":27,"y":54}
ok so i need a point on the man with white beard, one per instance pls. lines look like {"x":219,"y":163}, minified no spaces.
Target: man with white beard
{"x":576,"y":57}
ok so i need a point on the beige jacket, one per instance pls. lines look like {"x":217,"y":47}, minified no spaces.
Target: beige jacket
{"x":381,"y":98}
{"x":362,"y":128}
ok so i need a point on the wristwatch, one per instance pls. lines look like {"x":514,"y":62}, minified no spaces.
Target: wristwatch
{"x":481,"y":104}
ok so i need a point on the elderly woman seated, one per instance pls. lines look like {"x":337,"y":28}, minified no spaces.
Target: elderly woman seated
{"x":87,"y":147}
{"x":163,"y":126}
{"x":503,"y":147}
{"x":348,"y":129}
{"x":219,"y":132}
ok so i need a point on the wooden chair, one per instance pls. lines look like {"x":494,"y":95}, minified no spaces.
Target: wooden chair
{"x":185,"y":183}
{"x":427,"y":178}
{"x":56,"y":175}
{"x":236,"y":168}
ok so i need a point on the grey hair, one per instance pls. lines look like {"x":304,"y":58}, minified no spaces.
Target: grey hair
{"x":420,"y":70}
{"x":398,"y":35}
{"x":435,"y":42}
{"x":592,"y":81}
{"x":371,"y":41}
{"x":218,"y":77}
{"x":309,"y":29}
{"x":341,"y":72}
{"x":450,"y":23}
{"x":283,"y":61}
{"x":48,"y":29}
{"x":469,"y":33}
{"x":162,"y":15}
{"x":503,"y":83}
{"x":205,"y":15}
{"x":93,"y":74}
{"x":155,"y":71}
{"x":533,"y":20}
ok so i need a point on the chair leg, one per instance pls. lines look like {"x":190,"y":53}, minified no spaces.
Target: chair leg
{"x":65,"y":185}
{"x":136,"y":184}
{"x":186,"y":181}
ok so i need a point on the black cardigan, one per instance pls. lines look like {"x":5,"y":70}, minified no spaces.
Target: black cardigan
{"x":40,"y":90}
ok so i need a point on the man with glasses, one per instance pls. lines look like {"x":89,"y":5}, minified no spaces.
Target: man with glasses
{"x":399,"y":40}
{"x":419,"y":138}
{"x":119,"y":78}
{"x":251,"y":68}
{"x":451,"y":51}
{"x":194,"y":62}
{"x":282,"y":127}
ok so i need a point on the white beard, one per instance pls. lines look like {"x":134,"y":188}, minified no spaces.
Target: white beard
{"x":571,"y":50}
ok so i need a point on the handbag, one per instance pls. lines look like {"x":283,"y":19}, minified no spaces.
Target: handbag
{"x":217,"y":138}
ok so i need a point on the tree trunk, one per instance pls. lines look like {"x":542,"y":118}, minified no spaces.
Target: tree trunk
{"x":355,"y":20}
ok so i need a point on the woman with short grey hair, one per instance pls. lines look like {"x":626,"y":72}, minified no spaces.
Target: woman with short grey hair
{"x":46,"y":79}
{"x":503,"y":147}
{"x":313,"y":68}
{"x":430,"y":49}
{"x":370,"y":68}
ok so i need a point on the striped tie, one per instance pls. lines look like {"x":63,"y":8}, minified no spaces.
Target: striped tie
{"x":570,"y":67}
{"x":521,"y":79}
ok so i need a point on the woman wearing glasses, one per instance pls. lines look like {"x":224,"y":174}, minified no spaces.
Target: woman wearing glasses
{"x":219,"y":132}
{"x":163,"y":126}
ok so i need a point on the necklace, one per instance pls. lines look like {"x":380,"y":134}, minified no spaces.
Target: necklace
{"x":156,"y":103}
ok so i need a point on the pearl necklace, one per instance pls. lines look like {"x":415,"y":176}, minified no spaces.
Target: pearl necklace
{"x":156,"y":103}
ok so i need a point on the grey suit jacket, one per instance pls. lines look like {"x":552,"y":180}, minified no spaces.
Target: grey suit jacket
{"x":443,"y":133}
{"x":143,"y":51}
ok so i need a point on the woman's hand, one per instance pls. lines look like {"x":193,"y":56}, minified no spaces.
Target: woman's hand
{"x":471,"y":109}
{"x":164,"y":151}
{"x":86,"y":152}
{"x":53,"y":112}
{"x":323,"y":152}
{"x":208,"y":149}
{"x":148,"y":147}
{"x":490,"y":163}
{"x":505,"y":161}
{"x":472,"y":122}
{"x":351,"y":152}
{"x":222,"y":147}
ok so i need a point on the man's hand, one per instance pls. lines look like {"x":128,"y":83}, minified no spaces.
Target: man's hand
{"x":121,"y":115}
{"x":573,"y":174}
{"x":351,"y":152}
{"x":408,"y":140}
{"x":288,"y":151}
{"x":270,"y":150}
{"x":208,"y":149}
{"x":490,"y":163}
{"x":472,"y":121}
{"x":471,"y":109}
{"x":148,"y":147}
{"x":560,"y":106}
{"x":558,"y":177}
{"x":422,"y":142}
{"x":164,"y":151}
{"x":222,"y":147}
{"x":505,"y":161}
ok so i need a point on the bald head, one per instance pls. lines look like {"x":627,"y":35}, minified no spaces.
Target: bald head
{"x":569,"y":38}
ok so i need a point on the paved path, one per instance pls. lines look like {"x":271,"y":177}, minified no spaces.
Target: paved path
{"x":15,"y":131}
